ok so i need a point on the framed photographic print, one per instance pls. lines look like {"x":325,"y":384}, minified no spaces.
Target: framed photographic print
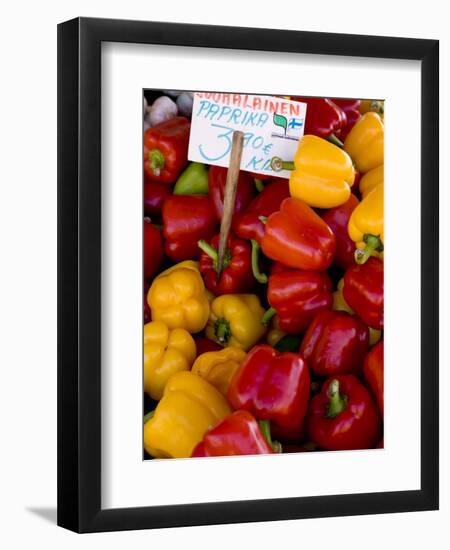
{"x":248,"y":235}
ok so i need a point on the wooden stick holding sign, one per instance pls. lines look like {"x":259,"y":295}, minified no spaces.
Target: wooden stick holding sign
{"x":230,"y":195}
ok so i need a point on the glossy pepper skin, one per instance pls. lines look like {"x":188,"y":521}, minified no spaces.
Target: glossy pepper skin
{"x":339,"y":304}
{"x":188,"y":408}
{"x":337,"y":219}
{"x":323,"y":173}
{"x":323,"y":116}
{"x":297,"y":296}
{"x":165,"y":149}
{"x":366,"y":225}
{"x":365,"y":142}
{"x":245,"y":192}
{"x":248,"y":224}
{"x":364,"y":291}
{"x":165,"y":353}
{"x":235,"y":320}
{"x":273,"y":386}
{"x":218,"y":367}
{"x":185,"y":264}
{"x":371,"y":179}
{"x":236,"y":275}
{"x":335,"y":343}
{"x":155,"y":193}
{"x":178,"y":299}
{"x":343,"y":416}
{"x":351,"y":109}
{"x":298,"y":237}
{"x":186,"y":220}
{"x":153,"y":251}
{"x":237,"y":434}
{"x":373,"y":372}
{"x":193,"y":180}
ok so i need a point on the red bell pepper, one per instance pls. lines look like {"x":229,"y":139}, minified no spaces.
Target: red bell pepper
{"x":297,"y":296}
{"x":204,"y":345}
{"x":153,"y":250}
{"x":351,"y":110}
{"x":335,"y":343}
{"x":186,"y":220}
{"x":343,"y":416}
{"x":298,"y":237}
{"x":272,"y":386}
{"x":155,"y":193}
{"x":373,"y":372}
{"x":323,"y":117}
{"x":217,"y":178}
{"x":237,"y":434}
{"x":364,"y":291}
{"x":248,"y":224}
{"x":236,"y":275}
{"x":165,"y":149}
{"x":337,"y":220}
{"x":278,"y":267}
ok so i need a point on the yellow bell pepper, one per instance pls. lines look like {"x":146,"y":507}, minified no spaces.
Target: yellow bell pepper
{"x":366,"y":226}
{"x":218,"y":367}
{"x":375,"y":105}
{"x":322,"y":173}
{"x":165,"y":353}
{"x":177,"y":297}
{"x":275,"y":334}
{"x":189,"y":407}
{"x":235,"y":320}
{"x":371,"y":179}
{"x":365,"y":142}
{"x":186,"y":264}
{"x":339,"y":304}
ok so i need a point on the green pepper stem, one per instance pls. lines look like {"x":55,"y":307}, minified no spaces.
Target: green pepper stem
{"x":265,"y":319}
{"x":222,"y":330}
{"x":277,"y":164}
{"x":264,"y":426}
{"x":156,"y":161}
{"x":148,"y":416}
{"x":260,"y":277}
{"x":337,"y":403}
{"x":208,"y":249}
{"x":373,"y":243}
{"x":259,"y":185}
{"x":335,"y":141}
{"x":213,"y":254}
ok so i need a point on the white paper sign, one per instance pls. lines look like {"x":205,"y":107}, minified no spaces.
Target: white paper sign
{"x":272,"y":127}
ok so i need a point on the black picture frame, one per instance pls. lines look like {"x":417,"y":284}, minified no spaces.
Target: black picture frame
{"x":79,"y":274}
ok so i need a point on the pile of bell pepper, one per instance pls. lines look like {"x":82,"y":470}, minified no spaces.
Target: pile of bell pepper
{"x":282,"y":350}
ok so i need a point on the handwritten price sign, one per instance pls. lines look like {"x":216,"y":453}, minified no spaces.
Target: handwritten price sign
{"x":272,"y":127}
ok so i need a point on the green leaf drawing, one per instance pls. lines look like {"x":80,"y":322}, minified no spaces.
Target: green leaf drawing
{"x":280,"y":120}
